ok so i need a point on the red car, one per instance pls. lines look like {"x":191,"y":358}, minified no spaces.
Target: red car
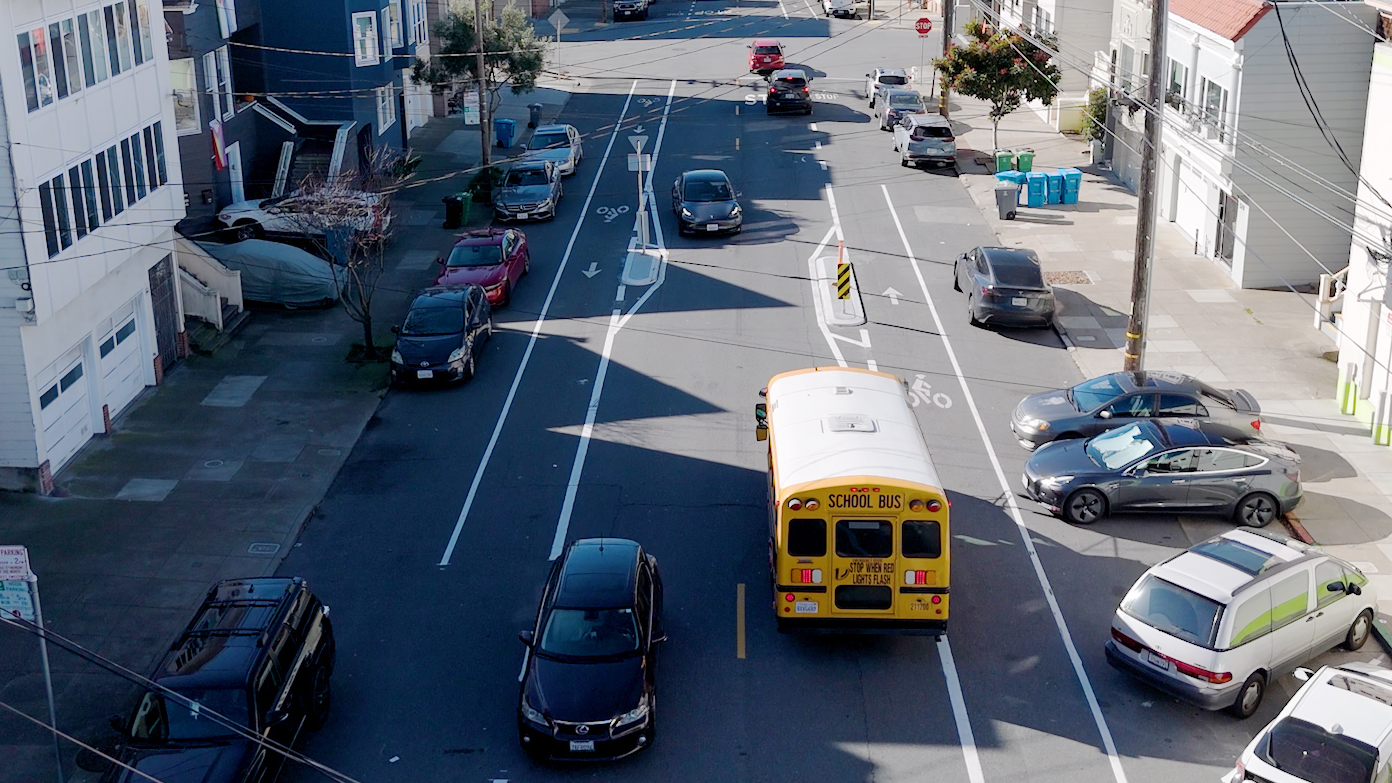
{"x":494,"y":257}
{"x":765,"y":55}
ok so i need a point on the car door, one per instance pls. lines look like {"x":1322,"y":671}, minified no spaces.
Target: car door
{"x":1179,"y":405}
{"x":1334,"y":609}
{"x":1157,"y":483}
{"x":646,"y":628}
{"x":1292,"y":621}
{"x":1222,"y":476}
{"x":271,"y":694}
{"x":1120,"y":412}
{"x":511,"y":258}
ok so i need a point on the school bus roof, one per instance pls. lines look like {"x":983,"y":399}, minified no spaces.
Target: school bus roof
{"x":834,"y":422}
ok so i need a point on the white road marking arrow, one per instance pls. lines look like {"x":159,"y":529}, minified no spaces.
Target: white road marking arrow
{"x":972,"y":540}
{"x":592,"y":271}
{"x":893,"y":295}
{"x":639,"y":129}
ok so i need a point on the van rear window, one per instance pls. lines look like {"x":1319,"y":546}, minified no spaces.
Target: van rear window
{"x":1176,"y":611}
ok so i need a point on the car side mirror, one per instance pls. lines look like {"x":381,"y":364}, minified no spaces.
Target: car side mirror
{"x":440,"y":261}
{"x":1301,"y":673}
{"x":396,"y":329}
{"x":1353,"y":589}
{"x":1105,"y":415}
{"x":526,"y":637}
{"x":1335,"y":587}
{"x":276,"y":717}
{"x":117,"y":722}
{"x":867,"y":76}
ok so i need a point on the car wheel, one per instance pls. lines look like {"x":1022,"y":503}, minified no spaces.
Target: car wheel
{"x":1358,"y":632}
{"x":971,"y":312}
{"x":1085,"y":507}
{"x":1249,"y":697}
{"x":246,"y":229}
{"x":1257,"y":510}
{"x":507,"y":295}
{"x":526,"y":264}
{"x":471,"y":365}
{"x":319,"y":699}
{"x":956,"y":283}
{"x":807,"y":111}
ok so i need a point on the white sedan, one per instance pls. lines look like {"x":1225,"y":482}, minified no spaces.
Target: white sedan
{"x":559,"y":144}
{"x":311,"y":214}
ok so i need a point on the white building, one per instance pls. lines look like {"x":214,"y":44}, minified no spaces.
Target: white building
{"x":1242,"y":150}
{"x":1083,"y":27}
{"x":89,"y":194}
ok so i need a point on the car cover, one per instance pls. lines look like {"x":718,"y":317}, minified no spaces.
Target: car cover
{"x":278,"y":273}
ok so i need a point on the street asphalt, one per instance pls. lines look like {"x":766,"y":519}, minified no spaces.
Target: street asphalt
{"x":427,"y":517}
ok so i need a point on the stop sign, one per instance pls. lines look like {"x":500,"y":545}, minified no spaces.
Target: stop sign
{"x":924,"y":26}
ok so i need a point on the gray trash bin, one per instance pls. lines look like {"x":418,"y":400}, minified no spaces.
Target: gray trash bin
{"x":534,"y":115}
{"x":1007,"y":198}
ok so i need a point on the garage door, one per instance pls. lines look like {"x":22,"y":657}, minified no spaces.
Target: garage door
{"x":64,"y":412}
{"x":122,"y":370}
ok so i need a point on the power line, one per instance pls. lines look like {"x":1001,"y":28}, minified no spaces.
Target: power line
{"x":79,"y":743}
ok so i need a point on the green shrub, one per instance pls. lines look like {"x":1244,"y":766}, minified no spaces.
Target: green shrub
{"x":1095,"y":115}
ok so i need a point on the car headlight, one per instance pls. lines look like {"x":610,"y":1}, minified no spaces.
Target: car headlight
{"x":532,"y":715}
{"x":1038,"y":425}
{"x":491,"y":288}
{"x":1054,"y":482}
{"x":634,"y":715}
{"x":735,"y":211}
{"x":396,"y":357}
{"x":457,"y":354}
{"x":686,"y":213}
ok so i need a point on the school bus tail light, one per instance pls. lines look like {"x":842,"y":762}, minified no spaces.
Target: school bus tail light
{"x":920,"y":578}
{"x":810,"y":504}
{"x":916,"y":506}
{"x":795,"y":504}
{"x":807,"y":576}
{"x":934,"y":506}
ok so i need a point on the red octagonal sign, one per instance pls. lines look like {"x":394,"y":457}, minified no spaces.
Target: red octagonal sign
{"x":924,"y":26}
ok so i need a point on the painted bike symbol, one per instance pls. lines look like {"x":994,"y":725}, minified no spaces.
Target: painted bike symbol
{"x":645,"y":102}
{"x":609,"y":213}
{"x":921,"y":391}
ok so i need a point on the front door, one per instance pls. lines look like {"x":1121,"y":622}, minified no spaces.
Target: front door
{"x":863,"y":566}
{"x":1160,"y":483}
{"x":1334,"y":609}
{"x":166,"y":311}
{"x":234,"y":171}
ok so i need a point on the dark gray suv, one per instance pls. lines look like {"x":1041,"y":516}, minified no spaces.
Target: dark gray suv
{"x":789,"y":91}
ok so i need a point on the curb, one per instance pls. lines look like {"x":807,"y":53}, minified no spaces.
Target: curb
{"x":1297,"y":530}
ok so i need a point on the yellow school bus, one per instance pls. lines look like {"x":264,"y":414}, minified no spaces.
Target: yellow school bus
{"x":858,"y":521}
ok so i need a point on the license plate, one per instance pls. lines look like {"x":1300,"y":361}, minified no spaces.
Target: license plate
{"x":1157,"y":661}
{"x":712,"y":227}
{"x":1019,"y":301}
{"x":805,"y":607}
{"x":522,"y":215}
{"x":425,"y":373}
{"x":582,"y":746}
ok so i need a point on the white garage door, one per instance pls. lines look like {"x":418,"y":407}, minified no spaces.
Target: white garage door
{"x":64,"y":412}
{"x":122,"y":370}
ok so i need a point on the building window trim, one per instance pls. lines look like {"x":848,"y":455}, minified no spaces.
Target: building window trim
{"x":366,"y":47}
{"x":420,"y":24}
{"x":386,"y":108}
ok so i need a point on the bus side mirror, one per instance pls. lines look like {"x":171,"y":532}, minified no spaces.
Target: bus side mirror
{"x":761,"y":421}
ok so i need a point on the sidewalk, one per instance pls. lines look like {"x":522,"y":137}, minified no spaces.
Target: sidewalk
{"x":210,"y":475}
{"x":1200,"y":323}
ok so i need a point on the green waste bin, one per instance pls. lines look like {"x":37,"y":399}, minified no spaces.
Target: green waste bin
{"x":457,"y":208}
{"x":1005,"y":160}
{"x":1024,"y":160}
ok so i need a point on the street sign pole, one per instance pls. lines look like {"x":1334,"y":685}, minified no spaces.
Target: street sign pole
{"x":924,"y":26}
{"x":558,"y":20}
{"x":19,"y":598}
{"x":638,"y":142}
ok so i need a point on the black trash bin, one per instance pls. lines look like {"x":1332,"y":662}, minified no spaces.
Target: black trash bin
{"x":455,"y":205}
{"x":534,"y":115}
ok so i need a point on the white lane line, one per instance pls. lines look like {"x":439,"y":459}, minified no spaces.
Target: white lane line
{"x":582,"y":449}
{"x":959,"y":712}
{"x":814,"y":127}
{"x":619,"y":295}
{"x":783,"y":9}
{"x":814,"y":278}
{"x":872,"y":365}
{"x":531,"y":343}
{"x":1008,"y":493}
{"x":816,"y":145}
{"x":809,"y":8}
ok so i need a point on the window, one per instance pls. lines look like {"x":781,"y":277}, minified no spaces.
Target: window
{"x":267,"y":688}
{"x":1180,"y":405}
{"x":140,"y":19}
{"x":181,"y":75}
{"x":89,"y":195}
{"x":1215,"y":460}
{"x":123,"y":34}
{"x":391,"y":19}
{"x":365,"y":48}
{"x":1214,"y":108}
{"x":227,"y":17}
{"x":33,"y":61}
{"x":151,"y":171}
{"x":67,"y":58}
{"x":138,"y":164}
{"x":1179,"y":461}
{"x":386,"y":108}
{"x":71,"y":378}
{"x":113,"y":163}
{"x":1290,"y":599}
{"x":922,"y":538}
{"x":1251,"y":618}
{"x":50,"y":394}
{"x":60,"y":205}
{"x":864,"y":538}
{"x":89,"y":27}
{"x":1125,"y":63}
{"x":1137,"y":405}
{"x":50,"y":223}
{"x":126,"y":167}
{"x":1179,"y":77}
{"x":1327,"y":573}
{"x":217,"y":80}
{"x":419,"y":23}
{"x":104,"y":186}
{"x":1173,"y":609}
{"x":160,"y":169}
{"x":113,"y":45}
{"x":807,"y":537}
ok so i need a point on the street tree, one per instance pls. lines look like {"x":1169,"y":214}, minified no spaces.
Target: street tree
{"x":1002,"y":68}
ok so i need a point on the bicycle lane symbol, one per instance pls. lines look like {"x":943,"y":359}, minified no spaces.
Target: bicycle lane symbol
{"x":609,"y":213}
{"x":921,"y":391}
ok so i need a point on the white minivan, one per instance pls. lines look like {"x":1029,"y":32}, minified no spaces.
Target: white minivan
{"x":1216,"y":624}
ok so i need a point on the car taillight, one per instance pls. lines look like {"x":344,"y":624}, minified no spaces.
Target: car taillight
{"x":772,"y":91}
{"x":1126,"y":641}
{"x":807,"y":90}
{"x":1256,"y":424}
{"x":987,"y":290}
{"x":1217,"y":678}
{"x":807,"y":576}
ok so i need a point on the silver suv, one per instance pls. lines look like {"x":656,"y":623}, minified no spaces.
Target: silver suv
{"x":925,"y":138}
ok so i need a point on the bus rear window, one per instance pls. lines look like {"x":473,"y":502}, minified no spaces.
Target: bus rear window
{"x":921,"y":538}
{"x":864,"y":538}
{"x":807,"y":537}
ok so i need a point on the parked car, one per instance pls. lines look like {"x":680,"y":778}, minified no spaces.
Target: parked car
{"x":277,"y":273}
{"x":559,"y":144}
{"x":789,"y":91}
{"x":530,"y":191}
{"x":765,"y":55}
{"x":1004,"y":285}
{"x":894,"y":105}
{"x":925,"y":138}
{"x":493,"y":258}
{"x":260,"y":653}
{"x":884,"y":78}
{"x":704,"y":201}
{"x":589,"y":683}
{"x":847,"y":8}
{"x":1217,"y":624}
{"x":1166,"y":465}
{"x":631,"y":9}
{"x":307,"y":214}
{"x":444,"y":330}
{"x":1110,"y":401}
{"x":1337,"y":728}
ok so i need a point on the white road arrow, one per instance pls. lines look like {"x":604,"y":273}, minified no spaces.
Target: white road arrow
{"x":592,"y":271}
{"x":638,"y":129}
{"x":893,"y":295}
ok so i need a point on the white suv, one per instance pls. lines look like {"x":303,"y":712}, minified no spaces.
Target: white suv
{"x":1216,"y":624}
{"x":1337,"y":728}
{"x":885,"y":78}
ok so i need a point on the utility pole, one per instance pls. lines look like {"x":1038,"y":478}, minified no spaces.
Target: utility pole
{"x":947,"y":52}
{"x":485,"y":107}
{"x":1145,"y":209}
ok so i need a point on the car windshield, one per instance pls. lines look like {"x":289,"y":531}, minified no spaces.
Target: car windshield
{"x":550,"y":141}
{"x":1095,"y":393}
{"x":1168,"y":607}
{"x":525,"y":177}
{"x":427,"y":321}
{"x":590,"y":633}
{"x":903,"y":101}
{"x":1120,"y":447}
{"x":163,"y":718}
{"x":1306,"y":751}
{"x":766,"y":50}
{"x":707,"y":190}
{"x":893,"y":79}
{"x":475,"y":255}
{"x":1018,"y":273}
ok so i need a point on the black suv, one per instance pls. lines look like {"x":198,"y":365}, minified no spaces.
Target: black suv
{"x":789,"y":91}
{"x":589,"y":690}
{"x":259,"y":652}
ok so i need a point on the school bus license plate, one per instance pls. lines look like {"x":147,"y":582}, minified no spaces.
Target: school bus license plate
{"x":805,"y":607}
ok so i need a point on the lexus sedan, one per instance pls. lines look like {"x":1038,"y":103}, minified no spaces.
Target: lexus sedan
{"x":704,"y":202}
{"x":441,"y":337}
{"x":1121,"y":398}
{"x":494,"y":258}
{"x":1004,"y":285}
{"x":530,"y":191}
{"x":1180,"y":465}
{"x":589,"y":683}
{"x":559,"y":144}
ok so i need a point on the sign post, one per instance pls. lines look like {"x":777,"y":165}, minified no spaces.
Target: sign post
{"x":924,"y":26}
{"x":558,"y":20}
{"x":638,"y":142}
{"x":19,"y":600}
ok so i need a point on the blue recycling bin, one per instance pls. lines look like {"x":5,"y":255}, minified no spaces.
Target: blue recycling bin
{"x":504,"y":130}
{"x":1055,"y":187}
{"x":1036,"y":189}
{"x":1072,"y":183}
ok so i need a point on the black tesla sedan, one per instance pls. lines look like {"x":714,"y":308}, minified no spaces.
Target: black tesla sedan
{"x":589,"y":688}
{"x":444,"y":329}
{"x":1004,"y":285}
{"x":704,"y":202}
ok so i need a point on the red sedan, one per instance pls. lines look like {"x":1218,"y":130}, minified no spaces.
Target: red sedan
{"x":494,"y":257}
{"x":765,"y":56}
